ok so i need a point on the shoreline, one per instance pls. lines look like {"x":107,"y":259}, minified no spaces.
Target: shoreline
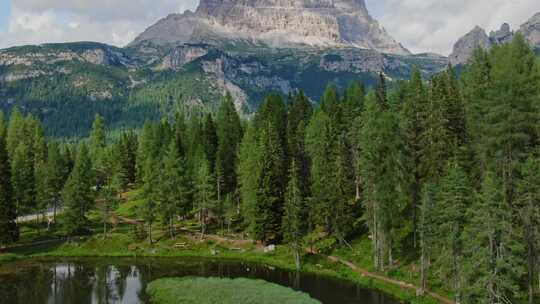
{"x":314,"y":264}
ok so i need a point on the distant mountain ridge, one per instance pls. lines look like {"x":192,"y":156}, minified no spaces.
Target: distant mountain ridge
{"x":477,"y":37}
{"x":188,"y":61}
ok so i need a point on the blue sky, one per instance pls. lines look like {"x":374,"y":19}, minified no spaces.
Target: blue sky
{"x":420,"y":25}
{"x":5,"y":9}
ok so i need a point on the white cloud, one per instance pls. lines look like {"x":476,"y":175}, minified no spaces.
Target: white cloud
{"x":115,"y":22}
{"x":420,"y":25}
{"x":434,"y":25}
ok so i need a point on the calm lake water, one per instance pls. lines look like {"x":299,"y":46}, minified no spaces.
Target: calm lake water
{"x":81,"y":281}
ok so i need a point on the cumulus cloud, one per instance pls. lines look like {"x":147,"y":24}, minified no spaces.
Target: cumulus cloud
{"x":115,"y":22}
{"x":420,"y":25}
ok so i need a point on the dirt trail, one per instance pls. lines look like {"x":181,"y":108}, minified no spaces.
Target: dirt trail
{"x":352,"y":266}
{"x":404,"y":285}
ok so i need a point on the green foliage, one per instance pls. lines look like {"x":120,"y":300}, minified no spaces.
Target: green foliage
{"x":213,"y":290}
{"x":9,"y":232}
{"x":78,"y":194}
{"x":229,"y":133}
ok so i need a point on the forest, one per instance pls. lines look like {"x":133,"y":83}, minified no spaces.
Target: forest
{"x":442,"y":172}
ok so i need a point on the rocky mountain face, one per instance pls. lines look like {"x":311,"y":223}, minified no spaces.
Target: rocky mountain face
{"x":276,"y":23}
{"x":465,"y":46}
{"x":531,"y":30}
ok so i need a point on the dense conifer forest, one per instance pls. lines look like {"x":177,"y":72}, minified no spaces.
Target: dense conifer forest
{"x":444,"y":172}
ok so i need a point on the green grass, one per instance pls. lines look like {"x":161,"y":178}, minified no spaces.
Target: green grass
{"x":122,"y":242}
{"x":191,"y":290}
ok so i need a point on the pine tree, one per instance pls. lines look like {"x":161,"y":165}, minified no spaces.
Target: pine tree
{"x":412,"y":124}
{"x":15,"y":131}
{"x":427,"y":231}
{"x":205,"y":195}
{"x":109,"y":201}
{"x":210,"y":140}
{"x":97,"y":147}
{"x":266,"y":225}
{"x":454,"y":198}
{"x":300,"y":112}
{"x":529,"y":219}
{"x":23,"y":179}
{"x":490,"y":266}
{"x":9,"y":231}
{"x":229,"y":131}
{"x":293,"y":226}
{"x":78,"y":194}
{"x":150,"y":189}
{"x":511,"y":118}
{"x":320,"y":146}
{"x":174,"y":188}
{"x":248,"y":172}
{"x":380,"y":165}
{"x":55,"y":176}
{"x":147,"y":148}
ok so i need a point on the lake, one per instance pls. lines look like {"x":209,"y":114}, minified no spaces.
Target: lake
{"x":123,"y":280}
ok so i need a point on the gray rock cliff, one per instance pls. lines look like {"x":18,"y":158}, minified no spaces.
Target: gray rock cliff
{"x":277,"y":23}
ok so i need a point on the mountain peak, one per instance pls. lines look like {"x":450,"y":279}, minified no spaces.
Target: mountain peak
{"x":277,"y":23}
{"x":465,"y":46}
{"x":531,"y":30}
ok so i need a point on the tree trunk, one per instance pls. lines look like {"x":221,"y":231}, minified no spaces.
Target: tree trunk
{"x":297,"y":257}
{"x":150,"y":233}
{"x":423,"y":268}
{"x":104,"y":228}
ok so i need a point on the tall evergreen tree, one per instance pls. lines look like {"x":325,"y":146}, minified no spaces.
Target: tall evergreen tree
{"x":9,"y":231}
{"x":174,"y":188}
{"x":293,"y":227}
{"x":529,"y":219}
{"x":412,"y":120}
{"x":78,"y":194}
{"x":210,"y":140}
{"x":150,"y":189}
{"x":454,"y":198}
{"x":205,"y":195}
{"x":15,"y":131}
{"x":23,"y":179}
{"x":266,"y":225}
{"x":491,"y":268}
{"x":229,"y":131}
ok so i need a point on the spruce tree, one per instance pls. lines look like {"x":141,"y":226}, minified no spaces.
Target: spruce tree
{"x":266,"y":225}
{"x":210,"y":140}
{"x":490,"y":266}
{"x":55,"y":176}
{"x":413,"y":126}
{"x":427,"y":231}
{"x":15,"y":131}
{"x":174,"y":187}
{"x":78,"y":194}
{"x":529,"y":219}
{"x":380,"y":164}
{"x":229,"y":132}
{"x":205,"y":195}
{"x":23,"y":179}
{"x":9,"y":231}
{"x":293,"y":226}
{"x":150,"y":189}
{"x":453,"y":200}
{"x":321,"y":148}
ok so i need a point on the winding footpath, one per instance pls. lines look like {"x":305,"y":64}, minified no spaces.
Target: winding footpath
{"x":404,"y":285}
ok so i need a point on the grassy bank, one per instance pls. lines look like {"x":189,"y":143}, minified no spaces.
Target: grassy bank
{"x":124,"y":242}
{"x":226,"y":291}
{"x":123,"y":245}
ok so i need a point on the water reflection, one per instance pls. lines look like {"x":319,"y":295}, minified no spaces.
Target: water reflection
{"x":96,"y":281}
